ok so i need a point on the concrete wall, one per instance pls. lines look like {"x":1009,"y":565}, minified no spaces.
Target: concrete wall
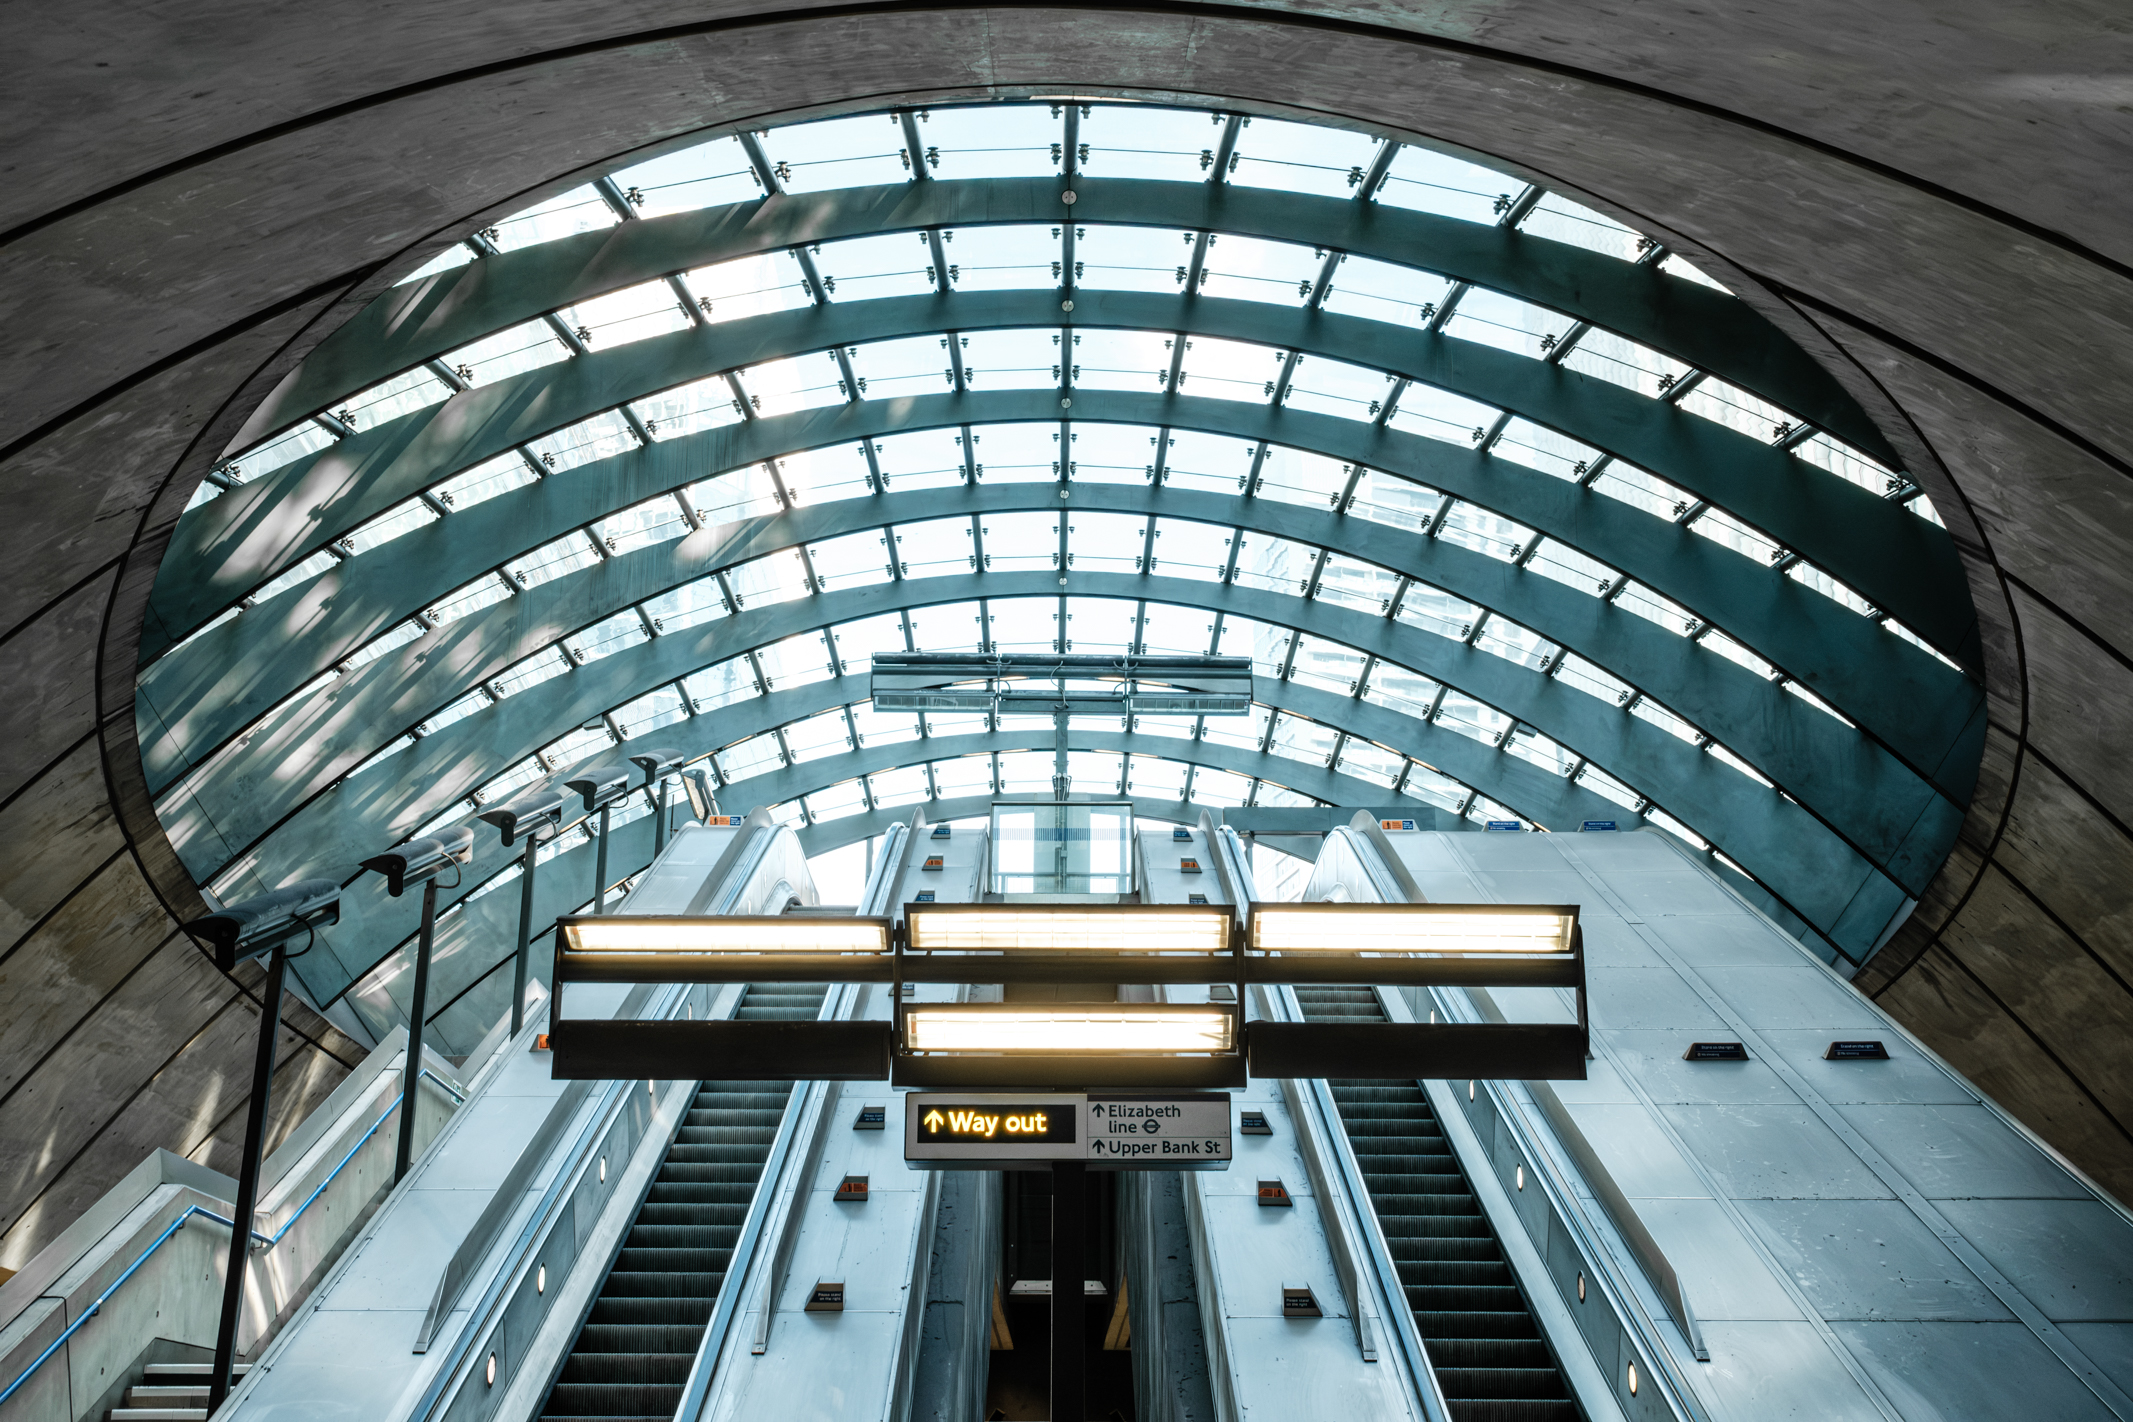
{"x":1928,"y":196}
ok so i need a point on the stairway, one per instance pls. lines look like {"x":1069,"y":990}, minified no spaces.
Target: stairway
{"x":1483,"y":1343}
{"x":169,"y":1392}
{"x":632,"y":1357}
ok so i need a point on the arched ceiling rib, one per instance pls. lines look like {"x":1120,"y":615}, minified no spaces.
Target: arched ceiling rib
{"x":1890,"y":555}
{"x":428,"y":319}
{"x":266,"y":771}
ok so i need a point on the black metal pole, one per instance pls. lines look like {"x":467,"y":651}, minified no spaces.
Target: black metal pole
{"x":255,"y":1131}
{"x":412,"y":1072}
{"x":525,"y":935}
{"x":1070,"y":1311}
{"x":659,"y":826}
{"x":600,"y":867}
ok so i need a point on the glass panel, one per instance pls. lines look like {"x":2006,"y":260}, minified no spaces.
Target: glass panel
{"x":653,"y":521}
{"x":1304,"y":158}
{"x":1229,"y":370}
{"x":1659,"y":611}
{"x":936,"y":547}
{"x":1217,"y":464}
{"x":302,"y":573}
{"x":923,"y":459}
{"x":883,"y":728}
{"x":1121,"y":360}
{"x":1025,"y":624}
{"x":868,"y":268}
{"x":1558,"y":219}
{"x":1434,"y":610}
{"x":1062,"y":848}
{"x":1473,"y":719}
{"x":1329,"y":666}
{"x":945,"y":627}
{"x":708,"y":175}
{"x":1434,"y":182}
{"x":914,"y":365}
{"x":617,"y":634}
{"x":1381,"y":291}
{"x":1622,"y":361}
{"x":1025,"y":773}
{"x":1398,"y":689}
{"x":817,"y":736}
{"x":485,"y":591}
{"x":838,"y":153}
{"x":1350,"y":582}
{"x":993,"y":141}
{"x":1004,"y":257}
{"x":721,"y":684}
{"x":286,"y":448}
{"x":1493,"y":319}
{"x":370,"y":651}
{"x":784,"y":387}
{"x":1096,"y":773}
{"x":1515,"y":644}
{"x":1012,"y":360}
{"x":603,"y":436}
{"x":1651,"y":711}
{"x":750,"y":757}
{"x":1473,"y":527}
{"x":404,"y":393}
{"x":1219,"y":789}
{"x":1848,"y":464}
{"x":579,"y":210}
{"x":389,"y":525}
{"x":651,"y":712}
{"x":894,"y":789}
{"x":689,"y":605}
{"x":1641,"y":490}
{"x":1438,"y":414}
{"x":1295,"y":477}
{"x":1716,"y":525}
{"x":1153,"y":778}
{"x":1017,"y":454}
{"x":1168,"y":629}
{"x":857,"y":642}
{"x":1106,"y":542}
{"x":1142,"y":141}
{"x":1299,"y":739}
{"x":1524,"y":442}
{"x":1112,"y":454}
{"x":1190,"y":550}
{"x":1266,"y":645}
{"x":1131,"y":258}
{"x":769,"y":580}
{"x":700,"y":405}
{"x":837,"y":802}
{"x":1394,"y":501}
{"x":749,"y":286}
{"x":1566,"y":565}
{"x":632,"y":314}
{"x":963,"y":776}
{"x":552,"y":560}
{"x":1021,"y":542}
{"x":1274,"y":564}
{"x":1736,"y":409}
{"x":749,"y":492}
{"x":799,"y":660}
{"x":856,"y":560}
{"x":580,"y":745}
{"x":511,"y":352}
{"x":1590,"y":679}
{"x":1367,"y":760}
{"x":1333,"y":387}
{"x":1254,"y":269}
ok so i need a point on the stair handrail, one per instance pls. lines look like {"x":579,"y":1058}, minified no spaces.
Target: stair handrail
{"x":259,"y":1241}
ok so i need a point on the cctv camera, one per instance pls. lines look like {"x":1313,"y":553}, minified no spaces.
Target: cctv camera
{"x":530,"y":815}
{"x":420,"y":859}
{"x":257,"y":926}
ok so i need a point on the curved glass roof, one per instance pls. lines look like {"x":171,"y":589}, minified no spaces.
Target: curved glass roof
{"x":1518,"y":514}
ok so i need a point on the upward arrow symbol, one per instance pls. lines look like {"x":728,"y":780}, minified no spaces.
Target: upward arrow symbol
{"x":1096,"y":1111}
{"x":933,"y":1120}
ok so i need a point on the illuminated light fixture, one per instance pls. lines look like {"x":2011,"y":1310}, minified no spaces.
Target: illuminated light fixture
{"x":722,"y":935}
{"x":1099,"y":1029}
{"x":1406,"y":929}
{"x":1067,"y":928}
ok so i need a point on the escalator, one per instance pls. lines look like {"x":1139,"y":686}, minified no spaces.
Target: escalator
{"x":1484,"y":1345}
{"x":631,"y":1358}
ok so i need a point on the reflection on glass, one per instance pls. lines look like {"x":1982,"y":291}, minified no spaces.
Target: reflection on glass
{"x":1062,"y":848}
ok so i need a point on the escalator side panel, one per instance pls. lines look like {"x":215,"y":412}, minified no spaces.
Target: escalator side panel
{"x":955,"y":1328}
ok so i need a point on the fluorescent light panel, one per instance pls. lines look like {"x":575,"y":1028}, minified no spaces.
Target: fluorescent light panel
{"x":1400,"y":929}
{"x":1065,"y":928}
{"x":622,"y":934}
{"x":1096,"y":1030}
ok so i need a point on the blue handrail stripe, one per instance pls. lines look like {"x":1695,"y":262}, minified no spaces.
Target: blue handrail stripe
{"x":179,"y":1223}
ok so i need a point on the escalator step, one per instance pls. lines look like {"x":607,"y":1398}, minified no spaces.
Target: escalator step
{"x":1490,"y":1359}
{"x":631,"y":1359}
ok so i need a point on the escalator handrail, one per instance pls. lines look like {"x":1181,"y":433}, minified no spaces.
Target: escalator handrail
{"x":696,"y":1391}
{"x":1323,"y":1135}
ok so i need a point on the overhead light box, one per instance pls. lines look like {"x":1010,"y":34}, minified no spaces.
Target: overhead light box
{"x":1067,"y":928}
{"x":1408,"y":929}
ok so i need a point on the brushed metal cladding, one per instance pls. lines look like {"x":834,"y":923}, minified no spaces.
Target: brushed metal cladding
{"x":1961,"y":266}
